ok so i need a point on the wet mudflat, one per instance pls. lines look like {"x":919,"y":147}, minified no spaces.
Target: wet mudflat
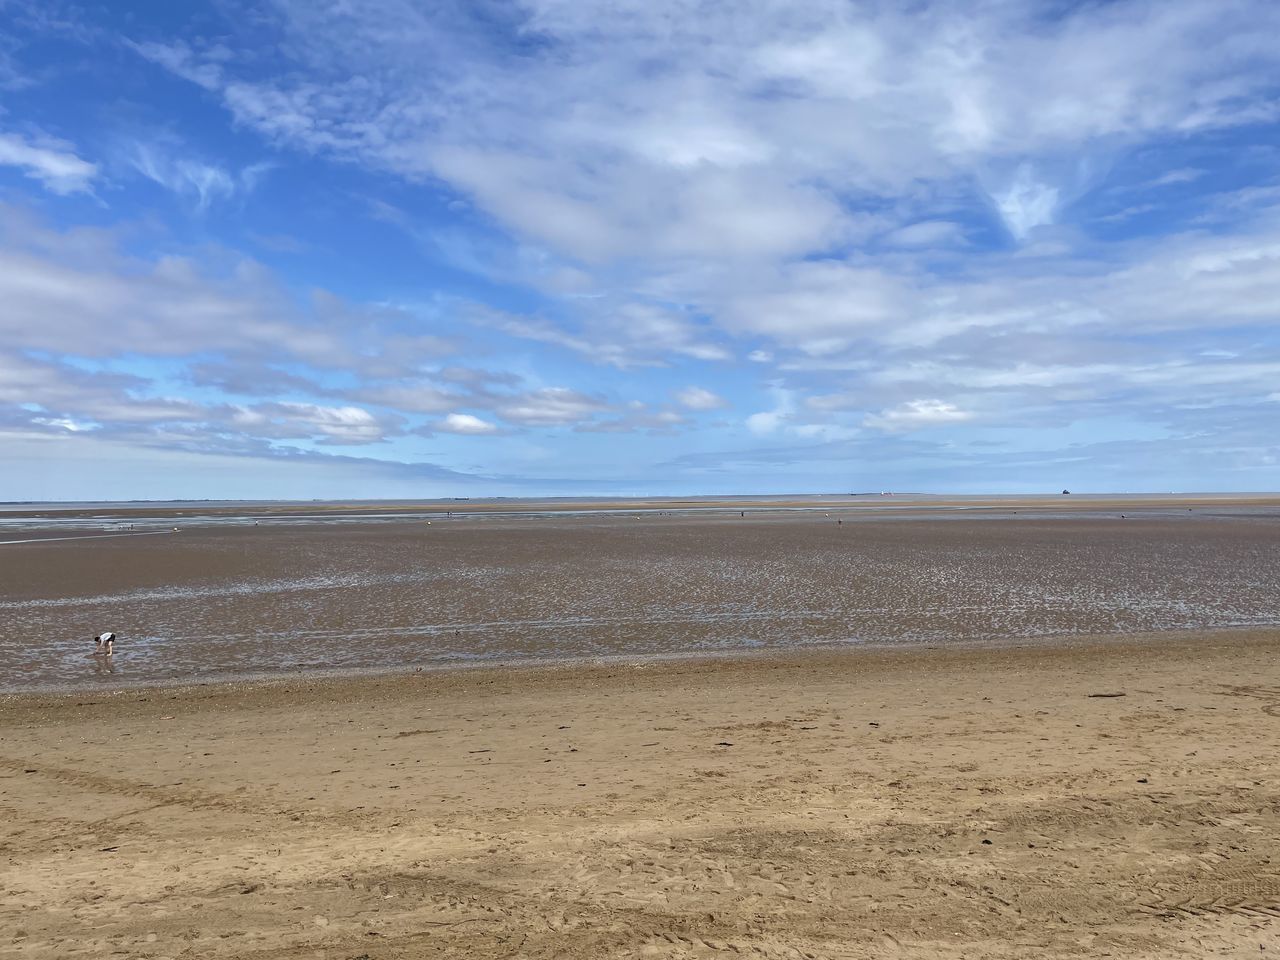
{"x":216,"y":602}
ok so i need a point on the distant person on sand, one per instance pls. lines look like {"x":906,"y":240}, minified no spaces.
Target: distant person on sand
{"x":104,"y":643}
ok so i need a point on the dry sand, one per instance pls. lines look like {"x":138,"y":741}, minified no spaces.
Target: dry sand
{"x":925,"y":803}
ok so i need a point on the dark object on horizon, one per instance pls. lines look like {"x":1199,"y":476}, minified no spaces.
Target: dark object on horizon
{"x":1066,"y":493}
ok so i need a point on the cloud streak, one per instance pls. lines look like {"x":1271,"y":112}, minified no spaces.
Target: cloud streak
{"x":52,"y":162}
{"x":199,"y":182}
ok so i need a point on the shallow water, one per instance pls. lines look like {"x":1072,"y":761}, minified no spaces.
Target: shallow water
{"x":223,"y":600}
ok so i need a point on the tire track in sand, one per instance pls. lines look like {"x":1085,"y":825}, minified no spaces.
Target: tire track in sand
{"x":158,"y":795}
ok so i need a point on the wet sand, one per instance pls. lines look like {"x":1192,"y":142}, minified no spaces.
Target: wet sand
{"x":215,"y":602}
{"x":861,"y":503}
{"x":898,"y":803}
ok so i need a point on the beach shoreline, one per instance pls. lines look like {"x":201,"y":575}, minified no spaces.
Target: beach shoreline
{"x":855,"y":505}
{"x":532,"y":667}
{"x":977,"y":802}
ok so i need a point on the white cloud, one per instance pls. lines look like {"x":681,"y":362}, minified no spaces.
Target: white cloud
{"x":179,"y":58}
{"x":71,"y":393}
{"x":622,"y":334}
{"x":672,"y":173}
{"x":467,"y":424}
{"x":1127,"y":213}
{"x":915,"y":414}
{"x":64,"y":396}
{"x":637,"y":417}
{"x":785,"y":421}
{"x":700,"y":398}
{"x":1026,"y":203}
{"x":417,"y":397}
{"x":816,"y":306}
{"x":52,"y":162}
{"x":716,"y":130}
{"x":1180,"y":175}
{"x":201,"y":182}
{"x":333,"y":425}
{"x":78,"y":292}
{"x":770,"y":421}
{"x":764,"y":422}
{"x":550,"y":406}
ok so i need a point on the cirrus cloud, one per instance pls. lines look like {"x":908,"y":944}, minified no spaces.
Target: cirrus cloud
{"x":51,"y":161}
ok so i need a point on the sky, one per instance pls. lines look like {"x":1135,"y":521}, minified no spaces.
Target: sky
{"x":313,"y":249}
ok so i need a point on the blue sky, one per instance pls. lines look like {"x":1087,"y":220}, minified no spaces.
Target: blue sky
{"x":393,"y":249}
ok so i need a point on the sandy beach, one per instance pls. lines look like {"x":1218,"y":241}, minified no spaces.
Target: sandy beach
{"x":917,"y":803}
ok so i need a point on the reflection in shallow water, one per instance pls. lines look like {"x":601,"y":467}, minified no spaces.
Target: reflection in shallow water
{"x":103,"y":664}
{"x":228,"y":602}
